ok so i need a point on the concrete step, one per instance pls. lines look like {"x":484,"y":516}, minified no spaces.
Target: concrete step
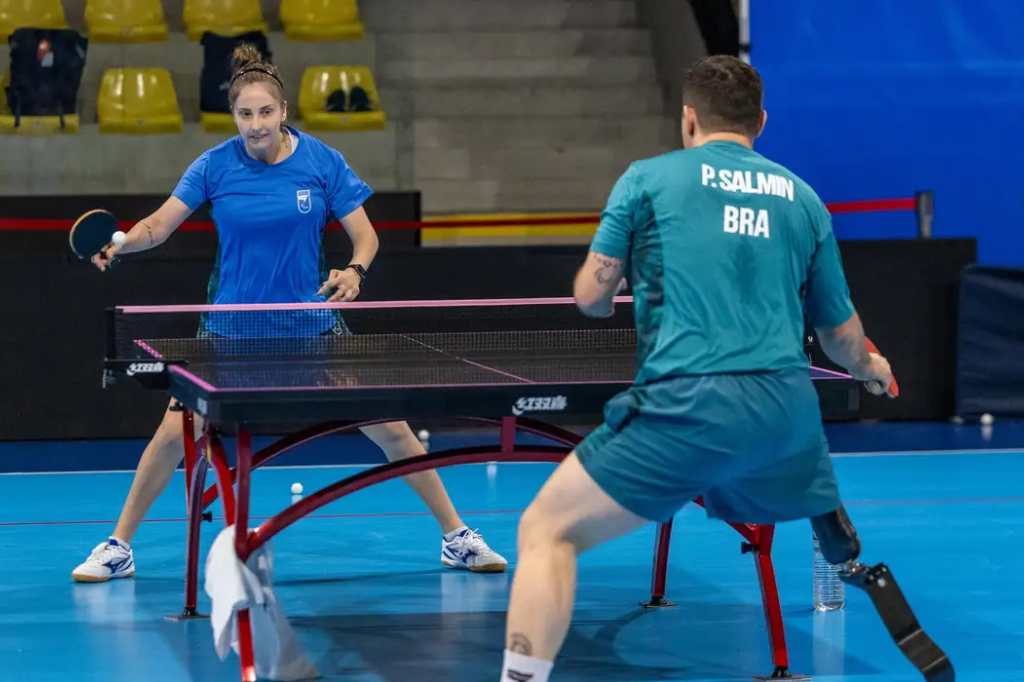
{"x":428,"y":134}
{"x":92,"y":163}
{"x":592,"y":70}
{"x":609,"y":42}
{"x":454,"y":15}
{"x":493,"y":196}
{"x":599,"y":163}
{"x":523,"y":101}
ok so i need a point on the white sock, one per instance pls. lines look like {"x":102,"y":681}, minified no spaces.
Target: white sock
{"x":520,"y":668}
{"x":454,"y":534}
{"x":121,"y":542}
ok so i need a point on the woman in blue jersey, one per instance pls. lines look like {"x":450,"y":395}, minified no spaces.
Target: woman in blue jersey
{"x":272,"y":189}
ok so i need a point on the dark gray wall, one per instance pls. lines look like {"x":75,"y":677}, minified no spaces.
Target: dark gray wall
{"x":677,"y":42}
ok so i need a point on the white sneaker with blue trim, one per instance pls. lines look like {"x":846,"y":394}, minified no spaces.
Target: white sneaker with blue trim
{"x":464,"y":549}
{"x":112,"y":559}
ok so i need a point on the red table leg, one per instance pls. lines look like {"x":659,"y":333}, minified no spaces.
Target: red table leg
{"x":764,"y":536}
{"x":225,"y":484}
{"x":195,"y":482}
{"x":659,"y":571}
{"x":188,"y":438}
{"x":508,"y":434}
{"x":233,"y":517}
{"x":245,"y":650}
{"x":758,"y":539}
{"x":243,"y":477}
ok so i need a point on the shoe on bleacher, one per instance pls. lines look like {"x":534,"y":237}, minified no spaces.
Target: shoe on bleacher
{"x":464,"y":549}
{"x":112,"y":559}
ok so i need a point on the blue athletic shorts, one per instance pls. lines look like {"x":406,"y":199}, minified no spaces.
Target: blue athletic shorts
{"x":751,"y":444}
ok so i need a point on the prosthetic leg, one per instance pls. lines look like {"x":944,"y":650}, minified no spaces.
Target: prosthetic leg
{"x":841,"y":547}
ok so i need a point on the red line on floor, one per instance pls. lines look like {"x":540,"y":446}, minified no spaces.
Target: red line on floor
{"x":855,"y":503}
{"x":254,"y":518}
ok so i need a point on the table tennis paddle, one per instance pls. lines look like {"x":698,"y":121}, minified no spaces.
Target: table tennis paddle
{"x":875,"y":387}
{"x":92,"y":234}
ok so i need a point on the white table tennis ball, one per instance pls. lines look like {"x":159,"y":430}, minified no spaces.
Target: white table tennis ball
{"x":119,"y":238}
{"x":296,"y":488}
{"x":423,"y":434}
{"x":987,"y":419}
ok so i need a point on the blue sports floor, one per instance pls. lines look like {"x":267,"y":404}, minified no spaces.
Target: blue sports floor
{"x":364,"y":588}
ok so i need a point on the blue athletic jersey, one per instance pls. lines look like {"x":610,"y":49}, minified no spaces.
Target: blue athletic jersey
{"x":726,"y":252}
{"x":270,"y":221}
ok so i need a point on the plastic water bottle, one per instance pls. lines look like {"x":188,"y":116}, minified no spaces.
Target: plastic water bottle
{"x":828,"y":587}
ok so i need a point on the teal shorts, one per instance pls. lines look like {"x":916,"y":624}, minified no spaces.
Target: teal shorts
{"x":751,"y":444}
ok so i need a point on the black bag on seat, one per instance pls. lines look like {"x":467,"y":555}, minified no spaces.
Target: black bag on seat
{"x":359,"y":100}
{"x":46,"y":72}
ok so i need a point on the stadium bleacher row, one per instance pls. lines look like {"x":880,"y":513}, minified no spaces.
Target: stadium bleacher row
{"x":131,"y":21}
{"x":144,"y":100}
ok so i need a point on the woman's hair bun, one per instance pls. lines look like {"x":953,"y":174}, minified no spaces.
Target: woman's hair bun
{"x":245,"y":55}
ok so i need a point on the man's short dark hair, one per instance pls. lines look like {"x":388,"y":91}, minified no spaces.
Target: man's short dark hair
{"x":727,"y":95}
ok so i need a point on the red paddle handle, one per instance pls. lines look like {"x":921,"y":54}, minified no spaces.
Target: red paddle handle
{"x":894,"y":388}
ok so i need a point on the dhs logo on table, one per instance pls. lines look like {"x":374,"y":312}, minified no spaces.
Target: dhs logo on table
{"x":144,"y":368}
{"x":546,"y":404}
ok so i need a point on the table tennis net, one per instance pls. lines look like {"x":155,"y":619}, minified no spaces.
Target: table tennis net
{"x":191,"y":333}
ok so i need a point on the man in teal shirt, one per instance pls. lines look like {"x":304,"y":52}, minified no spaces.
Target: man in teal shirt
{"x":726,"y":252}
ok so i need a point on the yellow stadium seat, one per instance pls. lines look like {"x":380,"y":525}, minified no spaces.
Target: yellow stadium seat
{"x":30,"y":14}
{"x":31,"y":125}
{"x":217,"y":123}
{"x":318,"y":82}
{"x":125,"y":21}
{"x":39,"y":125}
{"x":223,"y":17}
{"x":321,"y":20}
{"x":138,"y":101}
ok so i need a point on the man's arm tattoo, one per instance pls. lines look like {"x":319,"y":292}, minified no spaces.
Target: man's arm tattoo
{"x":149,"y":231}
{"x":609,"y":269}
{"x":520,"y":644}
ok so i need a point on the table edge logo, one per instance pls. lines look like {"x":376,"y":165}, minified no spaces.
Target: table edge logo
{"x":145,"y":368}
{"x":555,"y":403}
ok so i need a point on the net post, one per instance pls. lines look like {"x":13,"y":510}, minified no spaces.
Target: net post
{"x":743,"y":21}
{"x":924,"y":207}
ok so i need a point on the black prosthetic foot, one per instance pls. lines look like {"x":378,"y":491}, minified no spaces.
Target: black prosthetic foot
{"x":899,"y":619}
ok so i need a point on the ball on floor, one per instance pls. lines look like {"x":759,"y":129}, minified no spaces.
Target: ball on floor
{"x":296,"y":488}
{"x":987,"y":419}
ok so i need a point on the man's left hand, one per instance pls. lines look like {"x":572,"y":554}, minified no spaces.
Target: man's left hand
{"x":345,"y":284}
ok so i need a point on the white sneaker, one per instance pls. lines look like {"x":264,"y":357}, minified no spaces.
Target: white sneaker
{"x":110,"y":560}
{"x":467,"y":551}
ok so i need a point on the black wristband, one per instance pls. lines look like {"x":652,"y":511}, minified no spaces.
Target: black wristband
{"x":360,"y":270}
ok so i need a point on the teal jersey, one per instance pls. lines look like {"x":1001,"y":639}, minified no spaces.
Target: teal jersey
{"x":726,"y":253}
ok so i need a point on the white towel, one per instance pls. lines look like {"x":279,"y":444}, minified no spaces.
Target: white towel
{"x":233,"y":586}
